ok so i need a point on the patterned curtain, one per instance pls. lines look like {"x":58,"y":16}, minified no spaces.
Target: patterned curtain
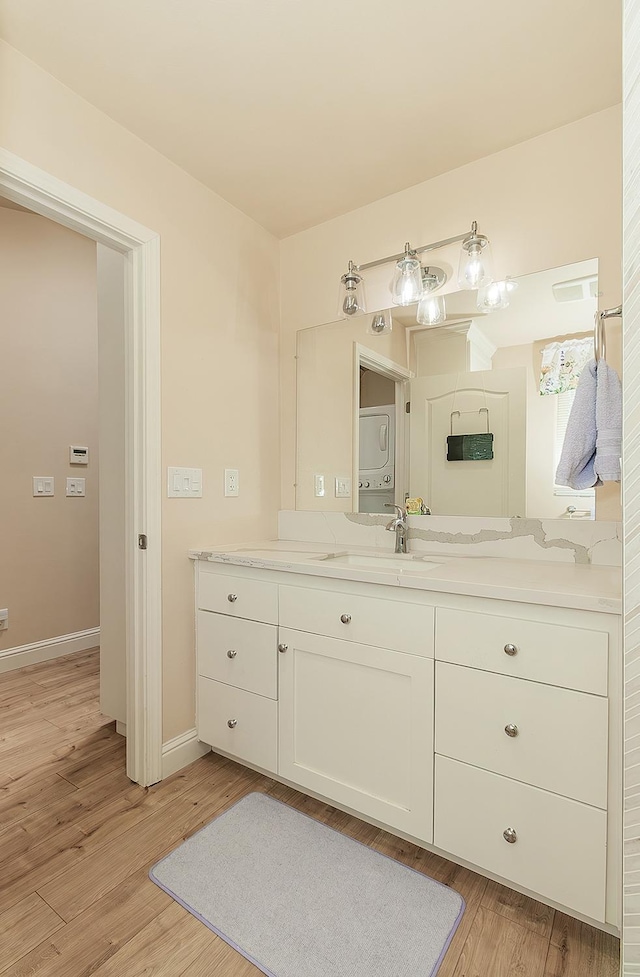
{"x":562,"y":364}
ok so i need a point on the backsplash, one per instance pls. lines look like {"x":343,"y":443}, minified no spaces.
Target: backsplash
{"x":561,"y":540}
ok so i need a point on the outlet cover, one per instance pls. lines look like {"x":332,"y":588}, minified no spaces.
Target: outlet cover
{"x":318,"y":481}
{"x":231,"y":482}
{"x":343,"y":487}
{"x":4,"y":618}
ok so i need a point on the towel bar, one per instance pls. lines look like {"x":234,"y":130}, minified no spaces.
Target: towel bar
{"x":599,"y":337}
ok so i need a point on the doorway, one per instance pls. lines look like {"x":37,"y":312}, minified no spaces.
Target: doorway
{"x":37,"y":191}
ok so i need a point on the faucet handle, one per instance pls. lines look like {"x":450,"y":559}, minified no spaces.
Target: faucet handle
{"x":401,"y":512}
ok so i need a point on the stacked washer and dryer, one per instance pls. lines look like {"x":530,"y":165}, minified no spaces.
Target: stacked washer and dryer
{"x":376,"y":483}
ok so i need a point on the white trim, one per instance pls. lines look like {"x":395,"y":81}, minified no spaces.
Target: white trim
{"x":42,"y":651}
{"x":121,"y":728}
{"x":44,"y":194}
{"x":182,"y":750}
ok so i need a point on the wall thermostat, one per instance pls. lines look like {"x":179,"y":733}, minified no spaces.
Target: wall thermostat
{"x":78,"y":455}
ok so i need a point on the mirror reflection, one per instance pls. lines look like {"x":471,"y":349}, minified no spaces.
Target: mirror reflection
{"x":464,"y":417}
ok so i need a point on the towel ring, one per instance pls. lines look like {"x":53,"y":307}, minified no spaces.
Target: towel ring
{"x":599,"y":336}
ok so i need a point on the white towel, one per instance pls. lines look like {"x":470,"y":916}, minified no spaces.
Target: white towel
{"x":592,"y":443}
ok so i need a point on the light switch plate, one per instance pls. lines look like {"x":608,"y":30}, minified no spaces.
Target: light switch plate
{"x":343,"y":487}
{"x":184,"y":483}
{"x":231,"y":482}
{"x":4,"y":619}
{"x":76,"y":488}
{"x":43,"y":485}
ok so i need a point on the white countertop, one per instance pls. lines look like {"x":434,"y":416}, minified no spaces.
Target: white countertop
{"x":591,"y":588}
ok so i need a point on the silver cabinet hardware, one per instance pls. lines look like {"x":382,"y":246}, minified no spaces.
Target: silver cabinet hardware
{"x":509,"y":835}
{"x":511,"y":729}
{"x":232,"y":723}
{"x":511,"y":649}
{"x":231,"y":653}
{"x":345,"y":618}
{"x":232,"y":598}
{"x":282,"y":648}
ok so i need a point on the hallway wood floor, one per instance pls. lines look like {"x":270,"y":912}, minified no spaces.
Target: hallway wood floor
{"x":77,"y":840}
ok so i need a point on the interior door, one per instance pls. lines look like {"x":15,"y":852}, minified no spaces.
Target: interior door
{"x":495,"y":487}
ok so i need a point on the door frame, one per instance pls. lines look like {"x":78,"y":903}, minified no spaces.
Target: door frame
{"x":44,"y":194}
{"x":369,"y":358}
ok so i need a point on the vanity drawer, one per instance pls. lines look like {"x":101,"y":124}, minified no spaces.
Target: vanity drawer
{"x":239,"y":596}
{"x":573,"y":658}
{"x":253,"y":735}
{"x":558,"y":738}
{"x":238,"y":653}
{"x":560,"y":846}
{"x":368,"y":620}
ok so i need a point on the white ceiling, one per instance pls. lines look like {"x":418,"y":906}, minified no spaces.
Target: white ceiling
{"x":299,"y":110}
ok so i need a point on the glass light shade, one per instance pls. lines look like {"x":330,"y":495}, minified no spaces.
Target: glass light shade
{"x":406,"y":286}
{"x":351,"y":297}
{"x":431,"y":310}
{"x":496,"y":295}
{"x":475,"y":269}
{"x":381,"y":323}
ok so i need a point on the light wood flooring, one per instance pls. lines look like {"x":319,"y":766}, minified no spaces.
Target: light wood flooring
{"x":77,"y":840}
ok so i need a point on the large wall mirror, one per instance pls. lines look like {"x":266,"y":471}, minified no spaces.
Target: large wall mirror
{"x":469,"y":415}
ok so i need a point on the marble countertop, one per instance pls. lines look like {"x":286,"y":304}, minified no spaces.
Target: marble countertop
{"x":592,"y":588}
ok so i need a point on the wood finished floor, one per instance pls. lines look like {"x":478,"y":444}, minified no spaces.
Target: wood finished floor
{"x":77,"y":840}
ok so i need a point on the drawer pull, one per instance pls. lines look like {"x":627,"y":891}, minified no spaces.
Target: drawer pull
{"x":509,"y":835}
{"x":511,"y":729}
{"x":345,"y":618}
{"x":232,"y":598}
{"x":232,"y":723}
{"x":231,"y":653}
{"x":511,"y":650}
{"x":282,"y":648}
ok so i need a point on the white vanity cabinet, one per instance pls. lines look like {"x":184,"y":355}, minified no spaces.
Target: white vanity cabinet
{"x":486,"y":729}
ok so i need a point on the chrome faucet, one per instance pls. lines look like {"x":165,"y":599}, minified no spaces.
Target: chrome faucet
{"x":399,"y":526}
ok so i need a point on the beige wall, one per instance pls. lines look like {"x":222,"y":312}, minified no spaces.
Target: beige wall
{"x":547,"y":202}
{"x":219,"y":333}
{"x":376,"y":390}
{"x":48,"y":400}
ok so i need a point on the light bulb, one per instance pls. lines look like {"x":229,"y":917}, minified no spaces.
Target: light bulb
{"x":406,"y":286}
{"x":495,"y":296}
{"x":381,"y":323}
{"x":351,"y":299}
{"x":474,"y":269}
{"x":431,"y":310}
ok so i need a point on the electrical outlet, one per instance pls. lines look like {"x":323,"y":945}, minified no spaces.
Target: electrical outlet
{"x":231,"y":482}
{"x":319,"y":485}
{"x":4,"y":619}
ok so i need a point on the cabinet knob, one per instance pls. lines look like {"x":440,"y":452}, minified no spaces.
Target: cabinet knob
{"x":232,"y":723}
{"x":511,"y":650}
{"x":282,"y":648}
{"x":231,"y":653}
{"x":511,"y":729}
{"x":232,"y":598}
{"x":345,"y":618}
{"x":509,"y":835}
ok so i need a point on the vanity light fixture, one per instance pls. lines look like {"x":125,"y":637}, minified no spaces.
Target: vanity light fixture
{"x":475,"y":267}
{"x":381,"y":323}
{"x":407,"y":284}
{"x":496,"y":296}
{"x":352,"y":298}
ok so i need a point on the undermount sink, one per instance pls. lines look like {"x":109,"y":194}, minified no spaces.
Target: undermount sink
{"x":399,"y":564}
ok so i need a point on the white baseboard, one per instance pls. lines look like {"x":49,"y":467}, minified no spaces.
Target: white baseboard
{"x":181,"y":751}
{"x":42,"y":651}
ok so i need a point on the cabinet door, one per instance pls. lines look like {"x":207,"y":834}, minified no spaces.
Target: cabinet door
{"x":356,"y":725}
